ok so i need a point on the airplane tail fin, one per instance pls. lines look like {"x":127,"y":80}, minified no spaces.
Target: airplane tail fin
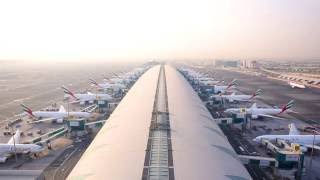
{"x":114,"y":74}
{"x":293,"y":129}
{"x":254,"y":105}
{"x":62,"y":109}
{"x":287,"y":106}
{"x":255,"y":94}
{"x":233,"y":83}
{"x":27,"y":110}
{"x":106,"y":78}
{"x":67,"y":91}
{"x":15,"y":139}
{"x":94,"y":83}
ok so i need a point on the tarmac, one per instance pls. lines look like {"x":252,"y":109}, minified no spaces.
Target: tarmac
{"x":38,"y":85}
{"x":277,"y":93}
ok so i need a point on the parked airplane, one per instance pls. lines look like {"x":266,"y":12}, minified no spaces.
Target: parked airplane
{"x":14,"y":146}
{"x":305,"y":141}
{"x":208,"y":81}
{"x":238,"y":97}
{"x":57,"y":116}
{"x":222,"y":89}
{"x":105,"y":86}
{"x":87,"y":97}
{"x":293,"y":85}
{"x":257,"y":112}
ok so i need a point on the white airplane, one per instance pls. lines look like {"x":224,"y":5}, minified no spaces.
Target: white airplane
{"x":222,"y":89}
{"x":107,"y":85}
{"x":57,"y":116}
{"x":87,"y":97}
{"x":208,"y":81}
{"x":257,"y":112}
{"x":14,"y":146}
{"x":191,"y":73}
{"x":115,"y":79}
{"x":133,"y":75}
{"x":125,"y":78}
{"x":294,"y":136}
{"x":238,"y":97}
{"x":293,"y":85}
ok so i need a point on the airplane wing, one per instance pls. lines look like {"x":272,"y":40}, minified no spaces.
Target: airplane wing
{"x":89,"y":108}
{"x":73,"y":102}
{"x":42,"y":120}
{"x":292,"y":111}
{"x":310,"y":146}
{"x":270,"y":116}
{"x":96,"y":122}
{"x":242,"y":100}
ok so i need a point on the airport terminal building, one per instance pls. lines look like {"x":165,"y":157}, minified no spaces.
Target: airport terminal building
{"x":160,"y":130}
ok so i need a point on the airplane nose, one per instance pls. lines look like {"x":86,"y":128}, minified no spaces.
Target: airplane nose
{"x":256,"y":140}
{"x":40,"y":148}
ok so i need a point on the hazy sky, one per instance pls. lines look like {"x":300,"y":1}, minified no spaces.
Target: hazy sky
{"x":168,"y":29}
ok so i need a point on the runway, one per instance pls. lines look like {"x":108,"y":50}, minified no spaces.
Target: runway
{"x":277,"y":93}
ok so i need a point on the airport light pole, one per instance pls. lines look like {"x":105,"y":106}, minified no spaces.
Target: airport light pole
{"x":68,"y":108}
{"x":312,"y":150}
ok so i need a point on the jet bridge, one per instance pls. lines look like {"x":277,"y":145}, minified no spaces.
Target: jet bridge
{"x":286,"y":158}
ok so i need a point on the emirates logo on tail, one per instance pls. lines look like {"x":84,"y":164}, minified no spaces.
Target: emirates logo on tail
{"x":233,"y":83}
{"x":27,"y":110}
{"x":287,"y":106}
{"x":67,"y":91}
{"x":257,"y":93}
{"x":94,"y":83}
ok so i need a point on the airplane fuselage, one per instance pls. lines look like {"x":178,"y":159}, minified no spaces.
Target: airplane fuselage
{"x":231,"y":98}
{"x":293,"y":85}
{"x":59,"y":115}
{"x":300,"y":139}
{"x":209,"y":82}
{"x":7,"y":149}
{"x":255,"y":112}
{"x":270,"y":111}
{"x":115,"y":87}
{"x":220,"y":88}
{"x":92,"y":97}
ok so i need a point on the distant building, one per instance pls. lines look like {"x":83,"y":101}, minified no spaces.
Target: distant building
{"x":227,"y":63}
{"x":249,"y":64}
{"x":254,"y":64}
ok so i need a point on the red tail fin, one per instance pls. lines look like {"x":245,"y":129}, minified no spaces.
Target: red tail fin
{"x":287,"y":106}
{"x":95,"y":83}
{"x":27,"y":110}
{"x":67,"y":91}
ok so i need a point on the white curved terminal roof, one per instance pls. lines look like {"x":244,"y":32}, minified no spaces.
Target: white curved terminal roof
{"x":118,"y":151}
{"x":199,"y":148}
